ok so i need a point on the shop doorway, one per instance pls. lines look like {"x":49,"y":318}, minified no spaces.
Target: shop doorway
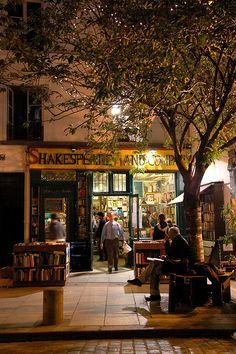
{"x":62,"y":202}
{"x":12,"y":214}
{"x":126,"y":211}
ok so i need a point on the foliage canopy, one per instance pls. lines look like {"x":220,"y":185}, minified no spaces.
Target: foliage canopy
{"x":173,"y":61}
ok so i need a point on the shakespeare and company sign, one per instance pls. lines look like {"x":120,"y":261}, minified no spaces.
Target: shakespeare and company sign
{"x":82,"y":159}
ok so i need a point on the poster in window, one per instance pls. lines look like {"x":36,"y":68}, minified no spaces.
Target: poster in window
{"x":110,"y":203}
{"x":150,"y":198}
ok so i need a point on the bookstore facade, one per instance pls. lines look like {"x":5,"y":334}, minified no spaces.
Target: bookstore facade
{"x":78,"y":183}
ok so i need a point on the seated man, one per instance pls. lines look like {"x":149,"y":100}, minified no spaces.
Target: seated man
{"x":177,"y":251}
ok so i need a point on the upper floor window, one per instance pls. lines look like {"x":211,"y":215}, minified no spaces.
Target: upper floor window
{"x":100,"y":182}
{"x":27,"y":12}
{"x":119,"y":182}
{"x":15,"y":10}
{"x":110,"y":182}
{"x":24,"y":114}
{"x":22,"y":10}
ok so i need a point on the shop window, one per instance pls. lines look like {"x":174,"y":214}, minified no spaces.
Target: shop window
{"x":24,"y":114}
{"x":58,"y":176}
{"x":100,"y":182}
{"x":119,"y":182}
{"x":155,"y":191}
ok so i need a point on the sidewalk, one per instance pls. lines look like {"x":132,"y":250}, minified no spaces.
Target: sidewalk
{"x":102,"y":305}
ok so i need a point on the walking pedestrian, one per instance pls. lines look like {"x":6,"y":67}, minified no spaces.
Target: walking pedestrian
{"x":111,"y":233}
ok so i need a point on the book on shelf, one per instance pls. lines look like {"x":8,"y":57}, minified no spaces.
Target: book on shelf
{"x":154,"y":259}
{"x":25,"y":260}
{"x":144,"y":257}
{"x":140,"y":271}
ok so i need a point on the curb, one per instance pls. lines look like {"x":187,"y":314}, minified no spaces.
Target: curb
{"x":115,"y":334}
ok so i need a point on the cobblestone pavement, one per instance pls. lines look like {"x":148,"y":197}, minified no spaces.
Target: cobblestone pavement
{"x":129,"y":346}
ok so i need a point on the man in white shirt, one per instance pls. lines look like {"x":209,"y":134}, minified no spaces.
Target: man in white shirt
{"x":111,"y":233}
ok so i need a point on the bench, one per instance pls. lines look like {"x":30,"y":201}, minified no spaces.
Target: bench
{"x":193,"y":290}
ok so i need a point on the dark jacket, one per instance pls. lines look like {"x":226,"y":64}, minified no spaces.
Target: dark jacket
{"x":178,"y":253}
{"x":178,"y":248}
{"x":98,"y":233}
{"x":159,"y":234}
{"x":56,"y":231}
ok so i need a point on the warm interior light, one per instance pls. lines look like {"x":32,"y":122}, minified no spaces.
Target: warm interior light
{"x":116,"y":110}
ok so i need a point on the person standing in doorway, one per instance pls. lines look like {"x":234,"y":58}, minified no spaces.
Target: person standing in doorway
{"x":111,"y":234}
{"x":56,"y":231}
{"x":161,"y":228}
{"x":98,"y":235}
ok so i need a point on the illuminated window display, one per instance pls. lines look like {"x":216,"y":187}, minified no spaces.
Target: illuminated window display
{"x":155,"y":190}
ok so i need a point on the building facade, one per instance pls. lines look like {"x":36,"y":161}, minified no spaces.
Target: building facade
{"x":43,"y":170}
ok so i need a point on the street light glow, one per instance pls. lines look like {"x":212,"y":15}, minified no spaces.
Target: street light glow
{"x":116,"y":110}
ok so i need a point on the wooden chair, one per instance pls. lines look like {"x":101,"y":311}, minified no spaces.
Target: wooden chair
{"x":218,"y":257}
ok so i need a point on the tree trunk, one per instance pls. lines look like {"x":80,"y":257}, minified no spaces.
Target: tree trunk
{"x":192,"y":210}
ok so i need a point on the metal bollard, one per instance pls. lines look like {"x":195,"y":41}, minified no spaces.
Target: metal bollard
{"x":53,"y":306}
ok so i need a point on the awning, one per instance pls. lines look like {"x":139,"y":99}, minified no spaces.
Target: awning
{"x":180,"y":197}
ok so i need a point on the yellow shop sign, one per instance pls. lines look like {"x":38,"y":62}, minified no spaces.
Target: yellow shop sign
{"x":82,"y":159}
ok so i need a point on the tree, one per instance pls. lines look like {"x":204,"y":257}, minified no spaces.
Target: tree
{"x":173,"y":61}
